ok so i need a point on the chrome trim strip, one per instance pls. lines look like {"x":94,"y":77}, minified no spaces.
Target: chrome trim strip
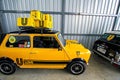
{"x":118,"y":63}
{"x":102,"y":55}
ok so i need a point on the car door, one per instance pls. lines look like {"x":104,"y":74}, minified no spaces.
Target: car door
{"x":18,"y":48}
{"x":45,"y":50}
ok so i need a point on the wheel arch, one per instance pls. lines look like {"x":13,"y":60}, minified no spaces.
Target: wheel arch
{"x":6,"y":58}
{"x":78,"y":59}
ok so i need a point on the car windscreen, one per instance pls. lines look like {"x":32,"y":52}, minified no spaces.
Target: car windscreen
{"x":104,"y":36}
{"x":110,"y":37}
{"x":62,"y":40}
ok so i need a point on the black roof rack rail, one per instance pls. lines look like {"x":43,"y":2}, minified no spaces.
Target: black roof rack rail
{"x":36,"y":30}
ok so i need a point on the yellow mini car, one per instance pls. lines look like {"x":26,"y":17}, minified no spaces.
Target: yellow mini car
{"x":41,"y":49}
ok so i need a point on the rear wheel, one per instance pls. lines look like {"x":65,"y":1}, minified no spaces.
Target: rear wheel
{"x":7,"y":67}
{"x":76,"y":67}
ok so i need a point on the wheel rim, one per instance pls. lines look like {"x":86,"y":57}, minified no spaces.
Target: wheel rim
{"x":6,"y":68}
{"x":76,"y":68}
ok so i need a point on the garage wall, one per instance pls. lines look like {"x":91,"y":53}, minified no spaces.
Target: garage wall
{"x":117,"y":25}
{"x":83,"y":20}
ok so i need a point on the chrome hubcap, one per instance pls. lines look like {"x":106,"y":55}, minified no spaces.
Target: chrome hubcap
{"x":76,"y":68}
{"x":6,"y":68}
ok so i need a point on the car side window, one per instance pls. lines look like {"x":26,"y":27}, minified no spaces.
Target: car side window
{"x":18,"y":42}
{"x":45,"y":42}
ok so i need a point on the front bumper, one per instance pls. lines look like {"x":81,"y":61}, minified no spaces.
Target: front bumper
{"x":111,"y":60}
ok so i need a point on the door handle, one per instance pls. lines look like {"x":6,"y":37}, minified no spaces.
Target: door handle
{"x":32,"y":53}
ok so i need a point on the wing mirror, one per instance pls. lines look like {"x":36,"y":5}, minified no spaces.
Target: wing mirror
{"x":59,"y":48}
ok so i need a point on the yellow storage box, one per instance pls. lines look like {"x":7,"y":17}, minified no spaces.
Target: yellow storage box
{"x":36,"y":20}
{"x":22,"y":22}
{"x":47,"y":21}
{"x":36,"y":14}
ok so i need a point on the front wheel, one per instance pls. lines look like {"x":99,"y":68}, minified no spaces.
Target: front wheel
{"x":7,"y":67}
{"x":77,"y":68}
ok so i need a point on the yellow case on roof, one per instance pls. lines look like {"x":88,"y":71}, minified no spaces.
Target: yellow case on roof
{"x":36,"y":14}
{"x":22,"y":22}
{"x":36,"y":20}
{"x":47,"y":21}
{"x":51,"y":21}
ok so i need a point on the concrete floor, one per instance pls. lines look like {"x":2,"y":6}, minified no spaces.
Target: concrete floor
{"x":98,"y":69}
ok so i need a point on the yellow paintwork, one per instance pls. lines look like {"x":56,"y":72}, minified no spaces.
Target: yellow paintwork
{"x":36,"y":20}
{"x":72,"y":46}
{"x":67,"y":54}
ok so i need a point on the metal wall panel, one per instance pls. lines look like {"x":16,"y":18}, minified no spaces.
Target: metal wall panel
{"x":87,"y":24}
{"x":117,"y":26}
{"x":92,"y":6}
{"x":81,"y":24}
{"x":42,"y":5}
{"x":57,"y":22}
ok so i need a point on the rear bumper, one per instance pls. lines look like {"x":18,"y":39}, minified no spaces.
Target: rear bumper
{"x":112,"y":61}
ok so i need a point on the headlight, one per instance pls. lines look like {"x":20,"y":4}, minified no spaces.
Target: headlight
{"x":117,"y":58}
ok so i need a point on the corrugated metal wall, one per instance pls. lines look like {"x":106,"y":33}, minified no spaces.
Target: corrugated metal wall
{"x":83,"y":20}
{"x":43,"y":5}
{"x":117,"y":26}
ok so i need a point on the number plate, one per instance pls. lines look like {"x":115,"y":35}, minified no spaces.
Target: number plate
{"x":101,"y":50}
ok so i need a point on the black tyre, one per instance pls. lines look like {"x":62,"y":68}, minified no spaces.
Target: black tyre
{"x":76,"y":67}
{"x":7,"y":67}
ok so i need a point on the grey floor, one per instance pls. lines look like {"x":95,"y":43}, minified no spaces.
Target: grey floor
{"x":98,"y":69}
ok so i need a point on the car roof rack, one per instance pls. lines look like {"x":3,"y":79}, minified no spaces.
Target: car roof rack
{"x":35,"y":30}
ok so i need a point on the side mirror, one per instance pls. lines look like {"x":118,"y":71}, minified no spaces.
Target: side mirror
{"x":59,"y":49}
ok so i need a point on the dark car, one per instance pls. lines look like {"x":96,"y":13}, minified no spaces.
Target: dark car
{"x":108,"y":46}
